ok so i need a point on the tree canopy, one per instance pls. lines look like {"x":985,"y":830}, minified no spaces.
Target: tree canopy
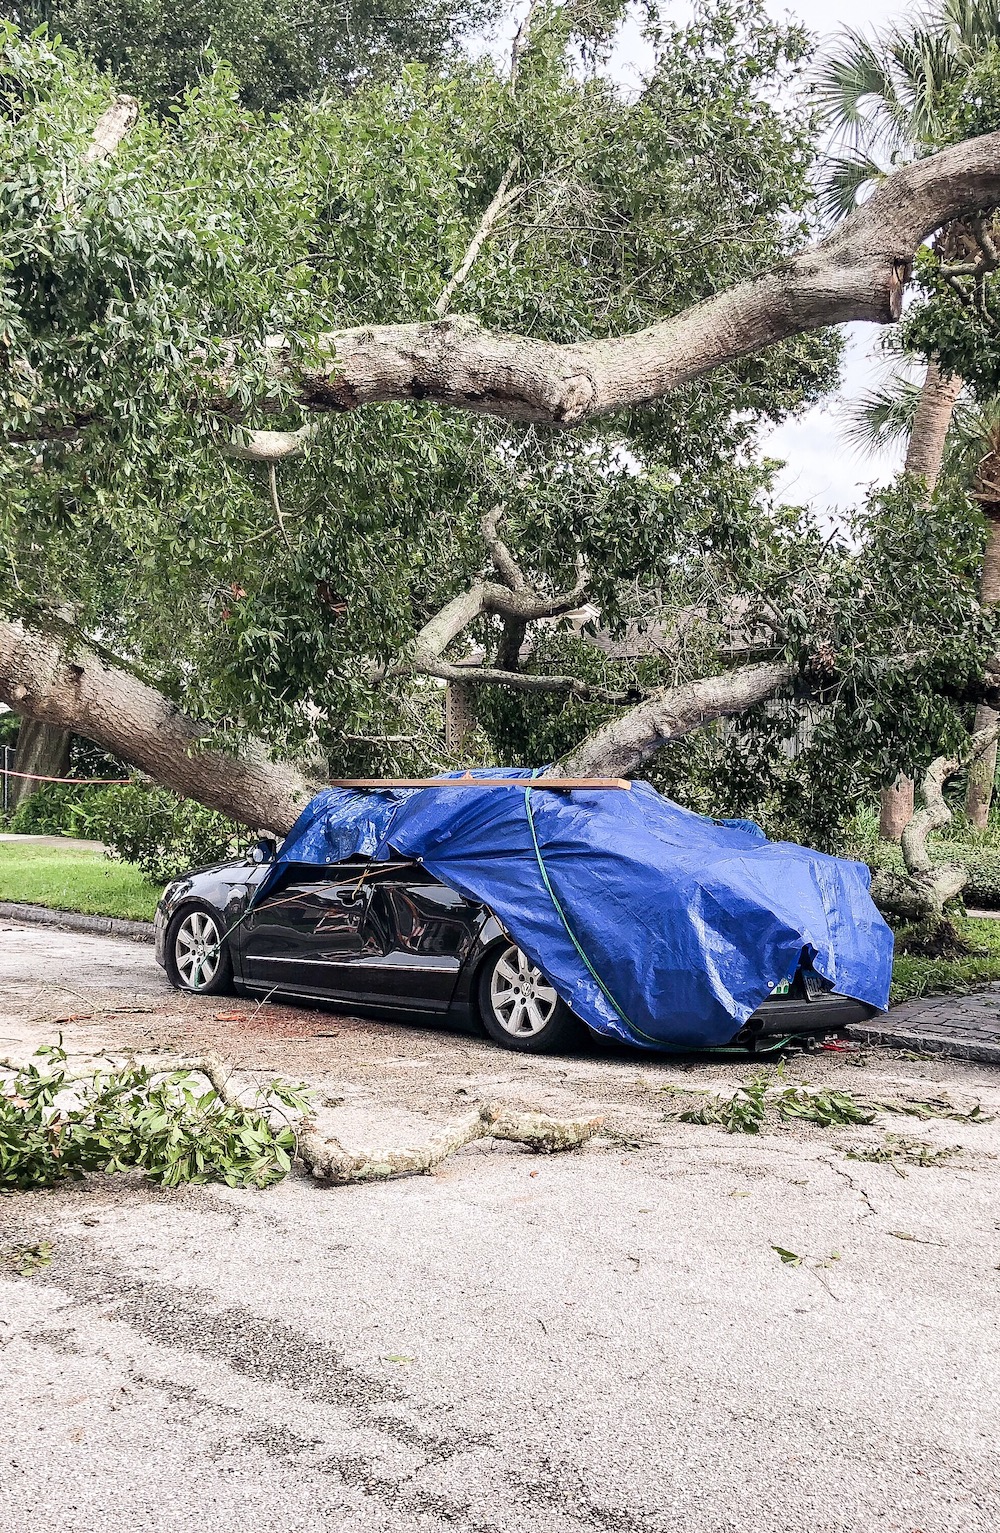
{"x":279,"y":50}
{"x":141,"y":290}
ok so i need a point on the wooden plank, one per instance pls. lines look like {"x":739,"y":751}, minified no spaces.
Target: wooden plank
{"x":552,"y":784}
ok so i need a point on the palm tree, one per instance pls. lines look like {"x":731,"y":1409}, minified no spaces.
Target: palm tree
{"x":882,"y":96}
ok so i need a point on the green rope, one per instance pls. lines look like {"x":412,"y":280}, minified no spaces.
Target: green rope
{"x":560,"y":912}
{"x":671,"y":1048}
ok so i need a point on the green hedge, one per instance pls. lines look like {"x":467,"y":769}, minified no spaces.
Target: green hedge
{"x":56,"y":809}
{"x":982,"y":861}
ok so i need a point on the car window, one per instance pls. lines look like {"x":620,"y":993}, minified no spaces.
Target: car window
{"x":335,"y":872}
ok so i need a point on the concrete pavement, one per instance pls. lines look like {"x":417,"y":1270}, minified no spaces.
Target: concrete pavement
{"x":603,"y":1340}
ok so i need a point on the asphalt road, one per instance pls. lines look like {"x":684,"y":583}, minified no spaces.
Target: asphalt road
{"x":601,"y":1340}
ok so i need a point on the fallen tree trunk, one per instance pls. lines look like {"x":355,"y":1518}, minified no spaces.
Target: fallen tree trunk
{"x":919,"y":897}
{"x":857,"y":272}
{"x":50,"y":674}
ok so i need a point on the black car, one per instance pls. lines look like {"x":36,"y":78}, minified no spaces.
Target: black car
{"x":388,"y":938}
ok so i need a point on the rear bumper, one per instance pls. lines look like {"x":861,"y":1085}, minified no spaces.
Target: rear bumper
{"x":826,"y":1013}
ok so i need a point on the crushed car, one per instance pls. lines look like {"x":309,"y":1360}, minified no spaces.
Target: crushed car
{"x":540,"y":913}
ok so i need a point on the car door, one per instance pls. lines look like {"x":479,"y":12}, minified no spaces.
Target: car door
{"x":418,"y":933}
{"x":302,"y":935}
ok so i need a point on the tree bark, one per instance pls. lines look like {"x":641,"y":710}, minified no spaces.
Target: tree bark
{"x":897,"y":808}
{"x":627,"y":741}
{"x":921,"y":895}
{"x":50,"y":675}
{"x":41,"y":748}
{"x":459,"y":714}
{"x":924,"y":456}
{"x":925,"y":448}
{"x":982,"y":772}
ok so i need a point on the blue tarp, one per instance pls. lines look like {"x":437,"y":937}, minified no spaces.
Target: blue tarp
{"x":656,"y":925}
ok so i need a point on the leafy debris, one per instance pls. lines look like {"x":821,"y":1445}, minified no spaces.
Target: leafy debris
{"x":55,"y":1126}
{"x":899,"y":1152}
{"x":936,"y":1107}
{"x":742,"y":1113}
{"x":27,"y":1260}
{"x":826,"y":1107}
{"x":767,"y":1095}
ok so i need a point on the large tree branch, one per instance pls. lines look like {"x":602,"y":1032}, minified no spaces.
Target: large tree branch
{"x":51,"y":674}
{"x":483,"y":598}
{"x":624,"y":743}
{"x":934,"y":812}
{"x":111,"y":127}
{"x":504,"y":563}
{"x":920,"y":896}
{"x":855,"y":273}
{"x":328,"y":1160}
{"x":271,"y":447}
{"x":518,"y":605}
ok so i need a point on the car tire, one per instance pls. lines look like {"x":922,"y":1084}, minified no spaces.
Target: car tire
{"x":196,"y":932}
{"x":519,"y":1008}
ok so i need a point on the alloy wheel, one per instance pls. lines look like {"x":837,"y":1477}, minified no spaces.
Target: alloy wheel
{"x":198,"y":950}
{"x":523,"y":1000}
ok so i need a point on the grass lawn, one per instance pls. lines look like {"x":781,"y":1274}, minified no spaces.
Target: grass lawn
{"x":75,"y":878}
{"x":941,"y":976}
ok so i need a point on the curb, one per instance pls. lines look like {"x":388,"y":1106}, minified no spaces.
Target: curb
{"x":925,"y":1040}
{"x":72,"y":920}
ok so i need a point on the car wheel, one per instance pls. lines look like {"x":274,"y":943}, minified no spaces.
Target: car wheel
{"x":198,"y":958}
{"x":520,"y":1009}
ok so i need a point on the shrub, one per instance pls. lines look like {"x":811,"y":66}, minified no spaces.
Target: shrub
{"x":57,"y":809}
{"x":164,"y":834}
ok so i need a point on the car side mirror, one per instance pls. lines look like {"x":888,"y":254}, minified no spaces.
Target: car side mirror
{"x":264,"y":850}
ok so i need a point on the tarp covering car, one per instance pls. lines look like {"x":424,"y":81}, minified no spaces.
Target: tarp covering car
{"x":656,"y":925}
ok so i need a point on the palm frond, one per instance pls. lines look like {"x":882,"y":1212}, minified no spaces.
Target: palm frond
{"x":881,"y":93}
{"x":852,"y":83}
{"x":926,"y":64}
{"x":973,"y":435}
{"x":842,"y":177}
{"x":972,"y":25}
{"x":883,"y":416}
